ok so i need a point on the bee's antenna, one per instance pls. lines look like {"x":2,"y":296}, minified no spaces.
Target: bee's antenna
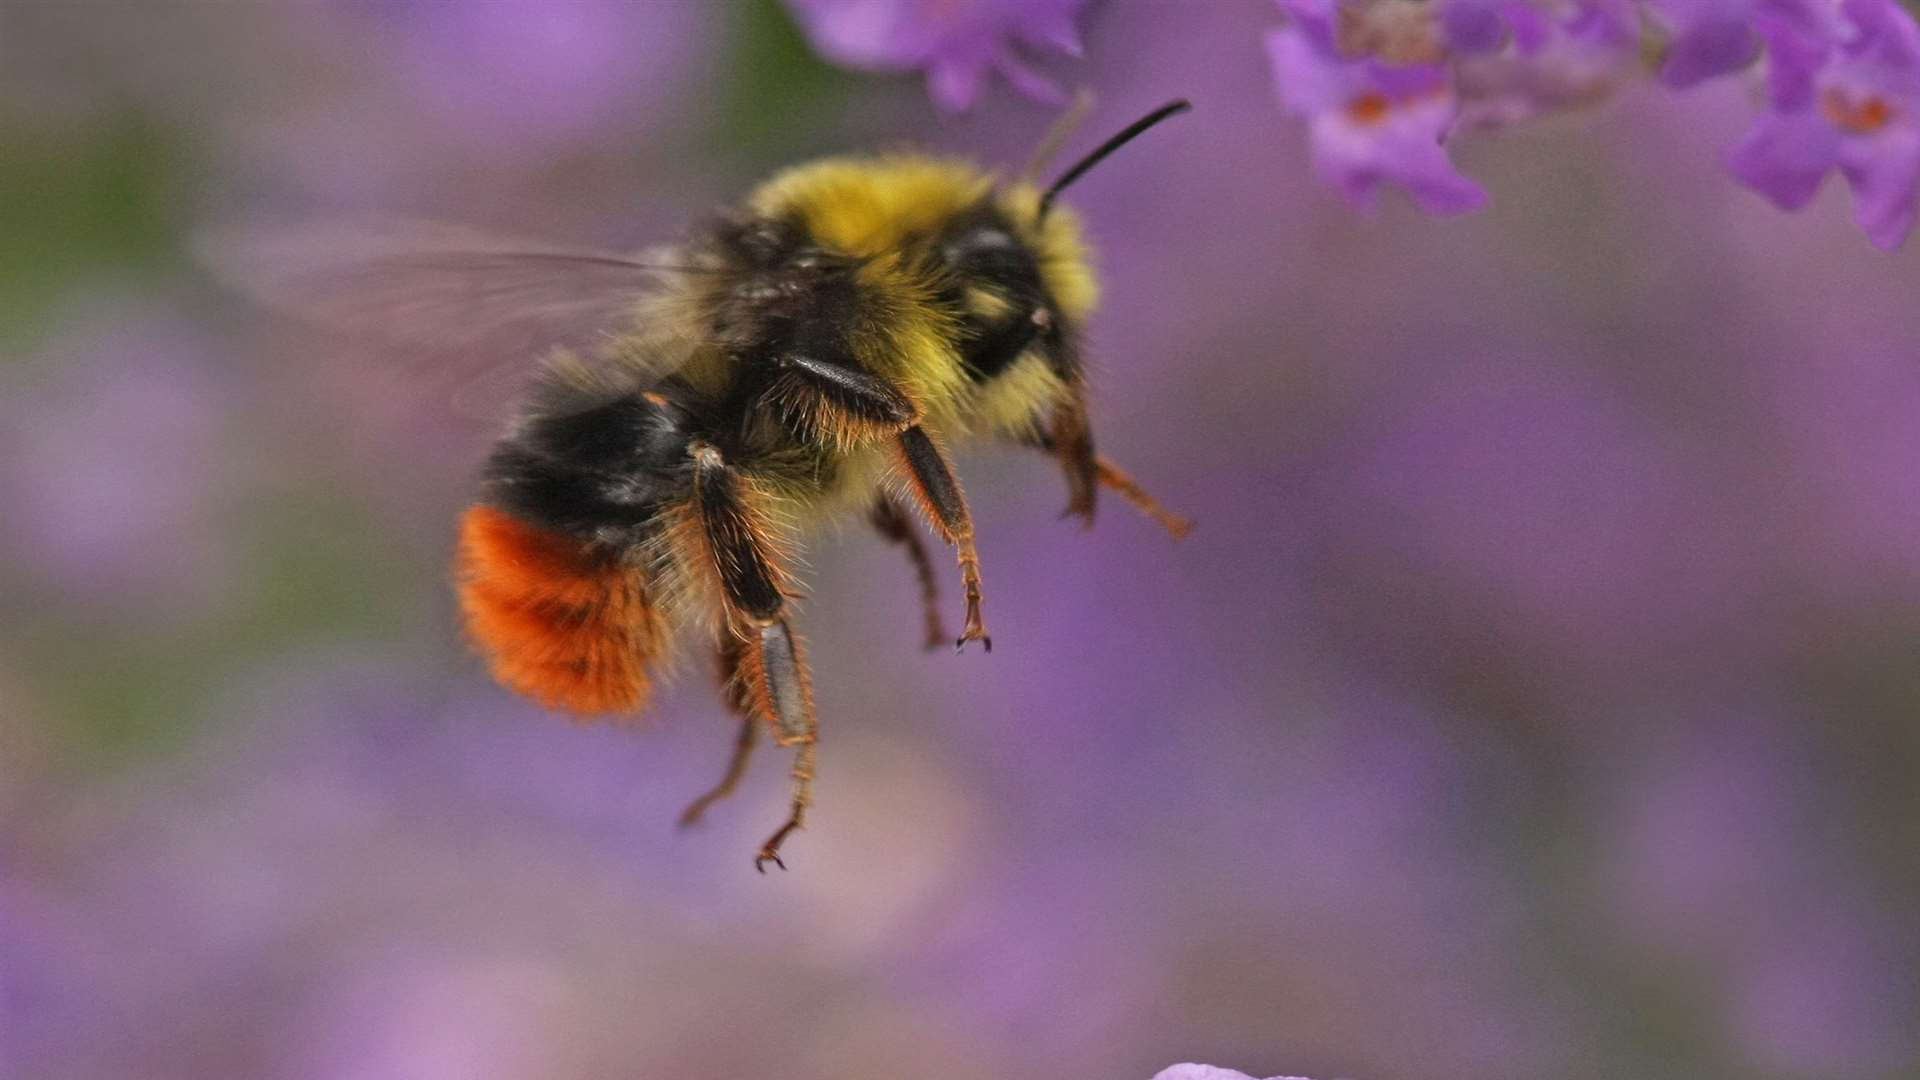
{"x":1125,"y":136}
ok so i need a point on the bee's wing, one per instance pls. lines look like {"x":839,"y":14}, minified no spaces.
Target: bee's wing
{"x":477,"y":309}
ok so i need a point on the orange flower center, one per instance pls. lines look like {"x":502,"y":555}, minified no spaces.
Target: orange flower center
{"x":1369,"y":108}
{"x":1856,"y":116}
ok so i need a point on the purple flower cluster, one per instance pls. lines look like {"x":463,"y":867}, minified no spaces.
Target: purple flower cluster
{"x":1207,"y":1072}
{"x":1384,"y":85}
{"x":1842,"y":94}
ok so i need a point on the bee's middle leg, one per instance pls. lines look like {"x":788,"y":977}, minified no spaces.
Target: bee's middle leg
{"x":771,"y":678}
{"x":894,"y":524}
{"x":938,"y":492}
{"x":732,"y":684}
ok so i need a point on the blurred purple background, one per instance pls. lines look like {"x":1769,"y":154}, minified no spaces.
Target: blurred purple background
{"x":1537,"y":697}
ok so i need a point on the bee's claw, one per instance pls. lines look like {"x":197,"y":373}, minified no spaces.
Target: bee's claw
{"x":976,"y":628}
{"x":770,"y":851}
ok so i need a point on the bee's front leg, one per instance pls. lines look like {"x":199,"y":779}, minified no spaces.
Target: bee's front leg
{"x":836,"y":403}
{"x":1069,"y":438}
{"x":1113,"y":476}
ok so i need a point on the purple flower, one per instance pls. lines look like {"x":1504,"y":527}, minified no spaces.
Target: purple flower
{"x":1709,"y":38}
{"x":1555,"y":59}
{"x":1472,"y":26}
{"x":1843,"y":97}
{"x":1208,"y":1072}
{"x":957,"y":42}
{"x":1370,"y":122}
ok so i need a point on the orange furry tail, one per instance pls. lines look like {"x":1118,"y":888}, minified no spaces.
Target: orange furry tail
{"x":559,"y":622}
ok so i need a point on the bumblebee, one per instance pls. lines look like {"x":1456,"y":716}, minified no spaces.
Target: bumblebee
{"x":810,"y":354}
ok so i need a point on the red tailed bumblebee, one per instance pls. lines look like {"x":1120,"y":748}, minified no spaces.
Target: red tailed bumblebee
{"x":810,"y":354}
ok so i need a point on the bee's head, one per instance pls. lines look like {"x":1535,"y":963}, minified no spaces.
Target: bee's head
{"x":926,"y":251}
{"x":1022,"y":265}
{"x":925,"y":256}
{"x":1016,"y":278}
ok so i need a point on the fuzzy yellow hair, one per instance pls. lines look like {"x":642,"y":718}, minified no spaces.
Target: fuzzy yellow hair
{"x":884,"y":210}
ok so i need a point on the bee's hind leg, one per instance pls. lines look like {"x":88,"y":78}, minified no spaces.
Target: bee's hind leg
{"x":733,"y":686}
{"x":775,"y":671}
{"x":769,"y":680}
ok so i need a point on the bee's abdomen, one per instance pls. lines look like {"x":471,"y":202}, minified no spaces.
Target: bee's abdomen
{"x":559,"y":621}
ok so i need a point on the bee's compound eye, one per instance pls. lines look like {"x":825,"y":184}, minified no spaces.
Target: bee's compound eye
{"x":985,"y":241}
{"x":990,"y":239}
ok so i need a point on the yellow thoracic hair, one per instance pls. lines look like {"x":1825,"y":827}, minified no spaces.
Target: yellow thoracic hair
{"x":869,"y":206}
{"x":880,"y":209}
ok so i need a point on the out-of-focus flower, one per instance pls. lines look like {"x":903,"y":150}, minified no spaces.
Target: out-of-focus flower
{"x":1708,"y":38}
{"x":1826,"y":994}
{"x":957,"y":42}
{"x":1841,"y":97}
{"x":1556,"y":59}
{"x":1384,"y":84}
{"x":540,"y":73}
{"x":112,"y":466}
{"x":1718,"y":861}
{"x":1371,"y":122}
{"x":1544,"y":494}
{"x":1208,"y":1072}
{"x":1847,"y":419}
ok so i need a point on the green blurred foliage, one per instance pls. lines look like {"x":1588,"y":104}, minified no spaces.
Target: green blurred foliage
{"x":79,"y":204}
{"x":777,"y":93}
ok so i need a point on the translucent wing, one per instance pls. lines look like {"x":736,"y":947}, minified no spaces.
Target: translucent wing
{"x":476,"y":309}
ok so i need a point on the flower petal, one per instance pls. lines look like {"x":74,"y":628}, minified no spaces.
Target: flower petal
{"x":1306,"y":79}
{"x":1882,"y":172}
{"x":957,"y":44}
{"x":1403,"y":149}
{"x":1208,"y":1072}
{"x":1028,"y":81}
{"x":1785,"y":157}
{"x":954,"y":82}
{"x":1718,"y":44}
